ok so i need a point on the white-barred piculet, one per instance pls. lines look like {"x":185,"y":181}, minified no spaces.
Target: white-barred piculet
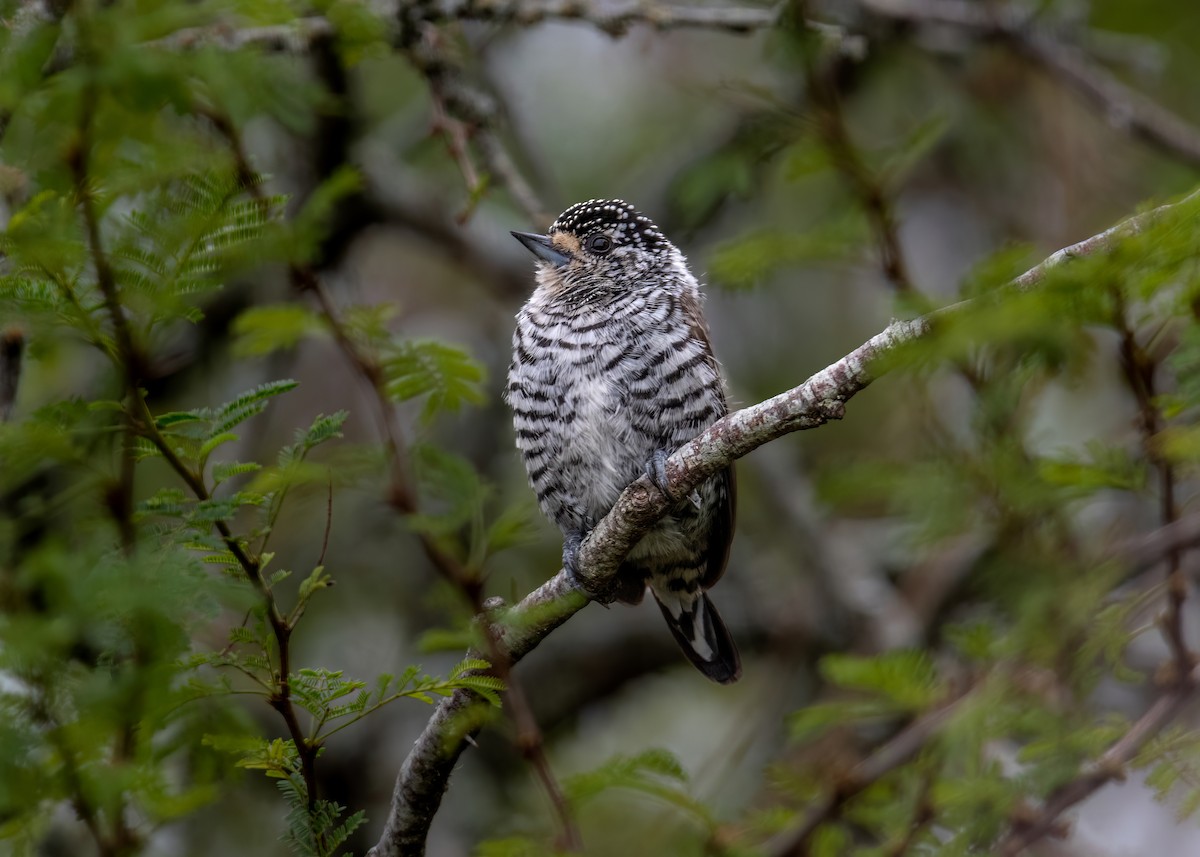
{"x":612,"y":371}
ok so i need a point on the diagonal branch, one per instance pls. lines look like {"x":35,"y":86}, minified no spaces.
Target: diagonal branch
{"x":426,"y":772}
{"x":1013,"y":24}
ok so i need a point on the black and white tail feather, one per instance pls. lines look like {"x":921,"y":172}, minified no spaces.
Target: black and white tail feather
{"x":697,"y":627}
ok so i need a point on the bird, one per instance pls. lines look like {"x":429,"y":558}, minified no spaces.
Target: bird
{"x":612,"y":370}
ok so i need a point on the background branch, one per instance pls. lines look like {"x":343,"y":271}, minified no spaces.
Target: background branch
{"x":1123,"y":106}
{"x":12,"y":347}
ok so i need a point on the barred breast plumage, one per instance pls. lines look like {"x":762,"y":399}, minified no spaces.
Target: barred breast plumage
{"x":611,"y":372}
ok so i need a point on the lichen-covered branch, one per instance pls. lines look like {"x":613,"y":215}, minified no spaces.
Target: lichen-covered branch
{"x":616,"y":17}
{"x":519,"y":629}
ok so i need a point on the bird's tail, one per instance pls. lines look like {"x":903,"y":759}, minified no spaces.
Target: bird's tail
{"x":697,"y":627}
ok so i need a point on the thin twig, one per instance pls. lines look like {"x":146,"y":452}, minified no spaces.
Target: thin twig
{"x":328,"y":521}
{"x":422,"y":43}
{"x":12,"y":350}
{"x":127,"y":355}
{"x":456,"y":136}
{"x":1139,"y":369}
{"x":821,"y":78}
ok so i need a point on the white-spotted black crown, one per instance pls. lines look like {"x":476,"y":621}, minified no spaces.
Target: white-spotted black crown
{"x":626,"y":224}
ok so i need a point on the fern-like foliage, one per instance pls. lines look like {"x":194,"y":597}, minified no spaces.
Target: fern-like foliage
{"x":655,"y":773}
{"x":185,"y":239}
{"x":445,"y":375}
{"x":330,"y":698}
{"x":319,"y":830}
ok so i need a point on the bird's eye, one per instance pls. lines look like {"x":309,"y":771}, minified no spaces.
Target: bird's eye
{"x":599,"y":244}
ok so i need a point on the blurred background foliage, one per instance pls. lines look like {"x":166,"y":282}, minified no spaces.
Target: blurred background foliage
{"x":258,"y":251}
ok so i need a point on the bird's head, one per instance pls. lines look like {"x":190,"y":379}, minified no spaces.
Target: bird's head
{"x":600,"y":245}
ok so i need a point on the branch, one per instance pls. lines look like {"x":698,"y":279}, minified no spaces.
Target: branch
{"x":1140,"y":368}
{"x":12,"y":348}
{"x":896,"y":752}
{"x":1110,"y":766}
{"x":1124,"y":106}
{"x":616,"y":18}
{"x":127,"y":356}
{"x":426,"y":772}
{"x":1146,"y":551}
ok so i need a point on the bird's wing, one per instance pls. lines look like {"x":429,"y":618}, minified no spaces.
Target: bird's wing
{"x":721,"y":534}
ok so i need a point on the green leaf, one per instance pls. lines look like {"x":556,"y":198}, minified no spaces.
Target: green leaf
{"x":446,"y":375}
{"x":317,"y":579}
{"x":907,"y":678}
{"x":212,"y":443}
{"x":656,"y":773}
{"x":263,"y":330}
{"x":310,"y":224}
{"x":1097,"y":468}
{"x":226,"y":470}
{"x":920,"y":142}
{"x":749,"y":261}
{"x":323,"y":428}
{"x":813,"y":721}
{"x":174,"y":418}
{"x":248,"y":404}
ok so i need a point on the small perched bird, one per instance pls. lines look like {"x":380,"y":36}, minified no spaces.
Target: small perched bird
{"x":611,"y":372}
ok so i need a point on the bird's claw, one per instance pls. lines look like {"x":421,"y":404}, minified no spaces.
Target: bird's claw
{"x":570,"y":556}
{"x":656,"y":470}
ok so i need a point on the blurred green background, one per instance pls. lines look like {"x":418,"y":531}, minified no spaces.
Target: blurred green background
{"x":715,"y":135}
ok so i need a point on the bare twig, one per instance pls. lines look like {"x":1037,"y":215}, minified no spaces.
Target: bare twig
{"x":328,"y":521}
{"x":426,"y":772}
{"x":867,"y":187}
{"x":1123,"y":106}
{"x":463,"y":112}
{"x":1140,"y":368}
{"x":456,"y":135}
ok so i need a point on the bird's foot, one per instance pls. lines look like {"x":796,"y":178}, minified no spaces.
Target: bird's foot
{"x":570,"y":556}
{"x":656,"y":470}
{"x":572,"y":544}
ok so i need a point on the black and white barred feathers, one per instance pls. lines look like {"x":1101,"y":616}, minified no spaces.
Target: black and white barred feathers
{"x":611,"y":372}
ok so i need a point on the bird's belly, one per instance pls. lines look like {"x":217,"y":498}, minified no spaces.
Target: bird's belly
{"x":599,"y":448}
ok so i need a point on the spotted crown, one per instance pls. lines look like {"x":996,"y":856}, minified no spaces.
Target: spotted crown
{"x":627,"y":226}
